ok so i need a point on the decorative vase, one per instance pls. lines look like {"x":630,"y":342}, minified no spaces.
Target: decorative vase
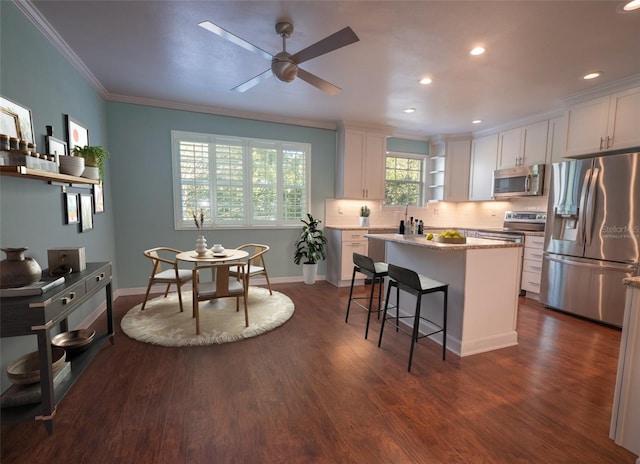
{"x":18,"y":271}
{"x":364,"y":221}
{"x":201,"y":245}
{"x":91,"y":172}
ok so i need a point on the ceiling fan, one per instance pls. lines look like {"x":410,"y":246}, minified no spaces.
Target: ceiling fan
{"x":284,"y":65}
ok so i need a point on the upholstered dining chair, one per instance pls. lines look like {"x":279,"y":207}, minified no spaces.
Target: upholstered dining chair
{"x":221,"y":287}
{"x":166,"y":256}
{"x":255,"y":263}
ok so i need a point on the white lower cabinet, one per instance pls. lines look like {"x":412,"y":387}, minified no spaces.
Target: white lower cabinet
{"x":532,"y":263}
{"x":341,"y":244}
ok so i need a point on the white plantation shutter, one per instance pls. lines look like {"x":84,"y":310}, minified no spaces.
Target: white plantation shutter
{"x":239,"y":181}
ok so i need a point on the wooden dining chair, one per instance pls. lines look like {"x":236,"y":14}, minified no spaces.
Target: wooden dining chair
{"x":255,"y":263}
{"x":166,"y":256}
{"x":221,"y":287}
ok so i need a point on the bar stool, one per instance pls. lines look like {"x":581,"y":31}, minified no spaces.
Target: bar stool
{"x":376,"y":272}
{"x":418,"y":285}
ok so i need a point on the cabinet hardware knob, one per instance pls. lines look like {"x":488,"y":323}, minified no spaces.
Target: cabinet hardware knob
{"x":100,"y":277}
{"x":67,"y":299}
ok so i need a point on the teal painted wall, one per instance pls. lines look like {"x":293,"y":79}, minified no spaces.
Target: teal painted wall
{"x":140,"y":144}
{"x":400,"y":145}
{"x":34,"y":74}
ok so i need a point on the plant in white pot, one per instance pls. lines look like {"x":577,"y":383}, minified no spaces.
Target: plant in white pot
{"x":93,"y":158}
{"x":310,"y":247}
{"x":364,"y":216}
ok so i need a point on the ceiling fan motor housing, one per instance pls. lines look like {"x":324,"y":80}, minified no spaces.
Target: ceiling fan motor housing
{"x":283,"y":67}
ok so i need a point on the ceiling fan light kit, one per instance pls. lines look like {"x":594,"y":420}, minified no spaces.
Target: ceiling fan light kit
{"x":284,"y":66}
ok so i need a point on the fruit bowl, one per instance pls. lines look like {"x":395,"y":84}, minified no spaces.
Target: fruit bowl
{"x":456,"y":240}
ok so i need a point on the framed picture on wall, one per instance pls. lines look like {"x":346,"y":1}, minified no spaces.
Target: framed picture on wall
{"x":86,"y":213}
{"x":98,"y":199}
{"x":56,"y":147}
{"x":71,"y":208}
{"x":9,"y":111}
{"x":77,"y":133}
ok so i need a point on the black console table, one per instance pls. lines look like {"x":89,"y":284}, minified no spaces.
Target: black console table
{"x":36,"y":315}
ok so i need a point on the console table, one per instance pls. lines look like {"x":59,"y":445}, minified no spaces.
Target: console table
{"x":36,"y":315}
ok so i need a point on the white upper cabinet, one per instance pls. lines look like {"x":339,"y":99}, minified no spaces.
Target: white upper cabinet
{"x":555,"y":140}
{"x":484,"y":154}
{"x":360,"y":164}
{"x":605,"y":123}
{"x":523,"y":146}
{"x":457,"y":164}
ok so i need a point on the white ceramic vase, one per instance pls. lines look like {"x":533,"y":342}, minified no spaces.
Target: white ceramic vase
{"x":201,"y":245}
{"x":364,"y":221}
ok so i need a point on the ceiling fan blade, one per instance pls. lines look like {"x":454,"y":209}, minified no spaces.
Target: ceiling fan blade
{"x":340,"y":39}
{"x":253,"y":81}
{"x":208,"y":25}
{"x":317,"y":82}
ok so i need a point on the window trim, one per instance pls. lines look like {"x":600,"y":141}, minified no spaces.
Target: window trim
{"x":247,"y":143}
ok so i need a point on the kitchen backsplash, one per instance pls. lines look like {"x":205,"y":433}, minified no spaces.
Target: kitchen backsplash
{"x":437,"y":214}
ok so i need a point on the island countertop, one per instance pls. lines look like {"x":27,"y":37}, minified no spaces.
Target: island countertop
{"x":421,"y":241}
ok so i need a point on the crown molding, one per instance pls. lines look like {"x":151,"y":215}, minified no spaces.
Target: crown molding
{"x":603,"y":90}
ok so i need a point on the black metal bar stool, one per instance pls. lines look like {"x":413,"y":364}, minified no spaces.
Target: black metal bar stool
{"x":374,"y":271}
{"x":418,"y":285}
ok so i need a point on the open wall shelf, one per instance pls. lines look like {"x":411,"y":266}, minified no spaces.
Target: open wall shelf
{"x":29,"y":173}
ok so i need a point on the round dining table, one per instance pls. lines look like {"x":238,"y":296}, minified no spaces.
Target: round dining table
{"x":210,"y":257}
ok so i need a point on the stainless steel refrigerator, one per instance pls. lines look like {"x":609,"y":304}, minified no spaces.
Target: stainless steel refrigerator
{"x":592,"y":236}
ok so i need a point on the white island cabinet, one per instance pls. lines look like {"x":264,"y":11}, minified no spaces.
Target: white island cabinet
{"x":484,"y":283}
{"x":625,"y":416}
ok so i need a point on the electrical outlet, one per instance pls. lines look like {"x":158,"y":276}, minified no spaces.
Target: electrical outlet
{"x":339,"y":209}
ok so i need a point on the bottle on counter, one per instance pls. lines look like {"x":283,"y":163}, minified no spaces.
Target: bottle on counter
{"x":411,"y":226}
{"x":420,"y":227}
{"x":401,"y":228}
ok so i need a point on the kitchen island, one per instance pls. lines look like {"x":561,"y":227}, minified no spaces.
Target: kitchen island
{"x":484,"y":283}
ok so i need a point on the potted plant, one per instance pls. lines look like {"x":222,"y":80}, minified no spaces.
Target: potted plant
{"x":310,"y":247}
{"x":93,"y":158}
{"x":364,"y":216}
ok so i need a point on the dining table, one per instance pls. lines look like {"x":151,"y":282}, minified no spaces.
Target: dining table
{"x":210,"y":257}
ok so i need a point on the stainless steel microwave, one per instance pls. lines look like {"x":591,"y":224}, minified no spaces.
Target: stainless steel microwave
{"x":521,"y":181}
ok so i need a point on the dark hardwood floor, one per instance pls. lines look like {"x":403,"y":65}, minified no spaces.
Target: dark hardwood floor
{"x":314,"y":390}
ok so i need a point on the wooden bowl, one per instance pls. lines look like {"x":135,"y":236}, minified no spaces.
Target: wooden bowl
{"x":74,"y":341}
{"x":439,"y":239}
{"x":26,"y":369}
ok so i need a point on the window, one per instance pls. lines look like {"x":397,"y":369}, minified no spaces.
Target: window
{"x":404,"y":179}
{"x":239,"y":182}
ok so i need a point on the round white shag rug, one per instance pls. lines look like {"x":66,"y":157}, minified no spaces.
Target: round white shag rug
{"x":162,"y":323}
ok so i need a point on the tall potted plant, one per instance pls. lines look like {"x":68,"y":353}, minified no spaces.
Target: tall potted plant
{"x":93,"y":158}
{"x":310,"y":247}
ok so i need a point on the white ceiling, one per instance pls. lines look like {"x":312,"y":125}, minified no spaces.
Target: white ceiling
{"x":537,"y":51}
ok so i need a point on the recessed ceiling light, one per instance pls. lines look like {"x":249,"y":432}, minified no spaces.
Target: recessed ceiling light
{"x":632,"y":5}
{"x":592,"y":75}
{"x":476,"y":121}
{"x":410,"y":110}
{"x":477,"y":51}
{"x":425,"y":80}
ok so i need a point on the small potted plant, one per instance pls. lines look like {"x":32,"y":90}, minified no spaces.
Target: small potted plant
{"x":364,"y":216}
{"x":310,"y":247}
{"x":93,"y":160}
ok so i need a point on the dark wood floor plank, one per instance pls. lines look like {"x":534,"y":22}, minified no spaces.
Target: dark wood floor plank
{"x":314,"y":390}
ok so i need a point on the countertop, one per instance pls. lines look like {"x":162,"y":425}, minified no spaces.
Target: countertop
{"x":632,"y":281}
{"x":426,"y":227}
{"x":421,"y":241}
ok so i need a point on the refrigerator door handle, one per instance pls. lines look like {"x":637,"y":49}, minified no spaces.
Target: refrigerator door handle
{"x":600,"y":264}
{"x":581,"y":207}
{"x":591,"y":199}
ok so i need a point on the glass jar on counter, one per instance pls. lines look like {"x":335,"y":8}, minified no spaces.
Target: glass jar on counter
{"x":13,"y":143}
{"x":4,"y":142}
